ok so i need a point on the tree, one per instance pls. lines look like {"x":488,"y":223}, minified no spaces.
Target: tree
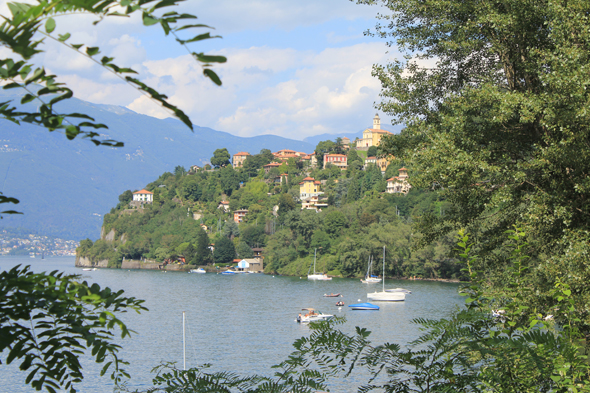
{"x":499,"y":124}
{"x":47,"y":319}
{"x":372,"y":151}
{"x":286,"y":204}
{"x":225,"y":251}
{"x":203,"y":252}
{"x":191,"y":189}
{"x":179,"y":171}
{"x":244,"y":251}
{"x":322,"y":148}
{"x":220,"y":158}
{"x":126,"y":197}
{"x":230,"y":229}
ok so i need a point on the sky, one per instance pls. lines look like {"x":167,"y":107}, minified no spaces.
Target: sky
{"x":295,"y":68}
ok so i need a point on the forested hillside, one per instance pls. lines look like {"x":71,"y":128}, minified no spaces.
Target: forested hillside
{"x":186,"y":217}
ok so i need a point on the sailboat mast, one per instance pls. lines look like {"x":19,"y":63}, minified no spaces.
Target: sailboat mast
{"x":383,"y":269}
{"x":183,"y":342}
{"x":314,"y":251}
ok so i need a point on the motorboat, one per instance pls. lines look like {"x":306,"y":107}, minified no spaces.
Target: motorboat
{"x":316,"y":276}
{"x":385,"y":296}
{"x":228,"y":272}
{"x":398,"y":290}
{"x":332,"y":295}
{"x":364,"y":306}
{"x":90,"y":269}
{"x":199,"y":270}
{"x":369,"y":277}
{"x":339,"y":304}
{"x":313,"y":315}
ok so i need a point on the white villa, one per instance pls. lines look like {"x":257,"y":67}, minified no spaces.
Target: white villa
{"x":143,"y":196}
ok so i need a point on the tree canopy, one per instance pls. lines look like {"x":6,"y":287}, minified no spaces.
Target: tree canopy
{"x":495,"y":99}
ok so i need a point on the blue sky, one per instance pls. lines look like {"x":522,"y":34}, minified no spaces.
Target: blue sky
{"x":295,"y":68}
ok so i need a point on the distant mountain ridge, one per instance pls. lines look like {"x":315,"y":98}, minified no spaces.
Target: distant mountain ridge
{"x":66,"y":186}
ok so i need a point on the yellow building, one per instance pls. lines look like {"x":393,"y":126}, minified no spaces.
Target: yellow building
{"x":239,"y":158}
{"x":308,"y":188}
{"x":372,"y":136}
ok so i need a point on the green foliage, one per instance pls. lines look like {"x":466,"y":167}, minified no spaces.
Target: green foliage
{"x":126,"y":197}
{"x":23,"y":32}
{"x":225,"y":251}
{"x":244,"y":250}
{"x":220,"y":158}
{"x":48,"y":320}
{"x":498,"y":122}
{"x":372,"y":152}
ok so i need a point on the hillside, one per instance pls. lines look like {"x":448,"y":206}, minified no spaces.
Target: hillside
{"x":359,"y":220}
{"x":65,"y":187}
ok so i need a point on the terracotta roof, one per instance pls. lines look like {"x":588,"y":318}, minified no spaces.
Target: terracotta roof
{"x":143,"y":192}
{"x":224,"y":202}
{"x":286,"y":151}
{"x":393,"y":178}
{"x":242,"y":153}
{"x":273,"y":164}
{"x":335,"y":155}
{"x":402,"y":169}
{"x":308,"y":179}
{"x":317,"y":182}
{"x":379,"y":131}
{"x":371,"y":158}
{"x":284,"y":174}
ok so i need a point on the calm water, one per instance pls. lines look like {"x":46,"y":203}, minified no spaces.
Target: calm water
{"x":243,"y":323}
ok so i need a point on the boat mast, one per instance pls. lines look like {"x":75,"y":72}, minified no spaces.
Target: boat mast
{"x":383,"y":269}
{"x":314,"y":250}
{"x":183,"y":343}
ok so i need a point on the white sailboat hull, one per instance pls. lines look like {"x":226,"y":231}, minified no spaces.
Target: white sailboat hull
{"x":387,"y":296}
{"x":318,"y":277}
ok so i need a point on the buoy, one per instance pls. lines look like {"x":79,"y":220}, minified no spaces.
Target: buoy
{"x":359,"y":300}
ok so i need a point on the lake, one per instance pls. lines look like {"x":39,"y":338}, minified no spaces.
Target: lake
{"x":242,"y":323}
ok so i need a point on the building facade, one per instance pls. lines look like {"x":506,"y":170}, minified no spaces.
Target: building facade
{"x":340,"y":160}
{"x":239,"y":215}
{"x":238,"y":159}
{"x":143,"y":196}
{"x":372,"y":136}
{"x":399,"y":184}
{"x":309,"y":187}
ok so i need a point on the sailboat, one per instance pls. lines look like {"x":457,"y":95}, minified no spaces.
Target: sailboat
{"x":385,"y":296}
{"x":316,"y":276}
{"x":369,"y":279}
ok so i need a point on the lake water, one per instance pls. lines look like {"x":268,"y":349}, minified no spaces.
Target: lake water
{"x":242,"y":323}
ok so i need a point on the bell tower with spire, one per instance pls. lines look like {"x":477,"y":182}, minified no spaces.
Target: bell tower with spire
{"x":376,"y":122}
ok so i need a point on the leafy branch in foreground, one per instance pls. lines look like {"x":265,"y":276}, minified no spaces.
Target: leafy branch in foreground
{"x":30,"y":24}
{"x":48,"y":320}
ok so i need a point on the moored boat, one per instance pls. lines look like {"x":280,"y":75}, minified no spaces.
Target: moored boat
{"x":364,"y":306}
{"x":199,"y":270}
{"x":332,"y":295}
{"x":385,"y":296}
{"x":313,"y":315}
{"x":317,"y":276}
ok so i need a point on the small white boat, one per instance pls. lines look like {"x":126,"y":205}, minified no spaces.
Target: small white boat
{"x":369,"y":278}
{"x":313,"y":315}
{"x":89,"y":269}
{"x":385,"y":296}
{"x":199,"y":270}
{"x":398,"y":290}
{"x":228,"y":272}
{"x":317,"y":276}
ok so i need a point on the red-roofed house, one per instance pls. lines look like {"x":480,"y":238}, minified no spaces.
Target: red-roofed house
{"x":143,"y":196}
{"x":340,"y":160}
{"x":239,"y":158}
{"x":399,"y":184}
